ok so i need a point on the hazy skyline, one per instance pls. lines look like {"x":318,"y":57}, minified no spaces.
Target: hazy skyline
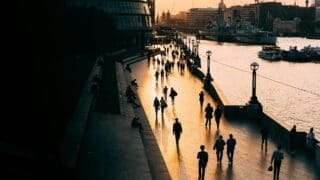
{"x":174,"y":6}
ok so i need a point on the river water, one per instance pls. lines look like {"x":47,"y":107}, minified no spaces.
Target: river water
{"x":288,"y":91}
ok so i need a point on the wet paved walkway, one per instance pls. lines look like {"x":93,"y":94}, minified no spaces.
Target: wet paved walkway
{"x":250,"y":162}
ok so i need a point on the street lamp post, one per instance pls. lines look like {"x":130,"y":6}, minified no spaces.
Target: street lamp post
{"x":192,"y":46}
{"x":208,"y":78}
{"x":198,"y":43}
{"x":195,"y":49}
{"x":254,"y":67}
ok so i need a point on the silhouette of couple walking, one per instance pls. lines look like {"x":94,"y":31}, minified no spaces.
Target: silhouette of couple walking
{"x":209,"y":115}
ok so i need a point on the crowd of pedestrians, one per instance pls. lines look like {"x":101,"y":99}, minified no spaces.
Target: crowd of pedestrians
{"x":165,"y":67}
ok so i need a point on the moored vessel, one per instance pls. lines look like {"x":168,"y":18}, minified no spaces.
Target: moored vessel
{"x":270,"y":52}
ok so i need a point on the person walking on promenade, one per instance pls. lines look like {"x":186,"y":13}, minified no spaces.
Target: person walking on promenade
{"x":177,"y":130}
{"x":165,"y":92}
{"x":311,"y":141}
{"x":219,"y":146}
{"x":201,"y":98}
{"x":156,"y":105}
{"x":173,"y":94}
{"x":293,"y":138}
{"x":156,"y":74}
{"x":277,"y":158}
{"x":158,"y":62}
{"x":217,"y":115}
{"x":209,"y":111}
{"x":203,"y":160}
{"x":149,"y":58}
{"x":231,"y":143}
{"x":162,"y":74}
{"x":163,"y":105}
{"x":264,"y":136}
{"x":154,"y":61}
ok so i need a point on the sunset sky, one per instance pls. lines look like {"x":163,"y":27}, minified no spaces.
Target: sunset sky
{"x":174,"y":6}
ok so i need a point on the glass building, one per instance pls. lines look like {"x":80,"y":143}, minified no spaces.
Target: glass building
{"x":132,"y":18}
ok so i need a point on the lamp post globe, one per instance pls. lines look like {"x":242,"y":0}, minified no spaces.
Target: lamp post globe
{"x":254,"y":67}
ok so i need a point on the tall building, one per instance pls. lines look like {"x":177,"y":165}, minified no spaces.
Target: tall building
{"x":151,"y":4}
{"x":241,"y":14}
{"x":286,"y":26}
{"x":221,"y":10}
{"x":200,"y":18}
{"x":267,"y":12}
{"x":132,"y":18}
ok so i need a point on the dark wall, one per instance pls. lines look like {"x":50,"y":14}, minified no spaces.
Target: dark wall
{"x":47,"y":45}
{"x":48,"y":52}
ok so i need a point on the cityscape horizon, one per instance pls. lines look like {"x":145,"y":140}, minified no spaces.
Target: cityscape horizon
{"x":176,"y":6}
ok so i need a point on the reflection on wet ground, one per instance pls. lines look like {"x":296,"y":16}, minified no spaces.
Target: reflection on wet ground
{"x":250,"y":162}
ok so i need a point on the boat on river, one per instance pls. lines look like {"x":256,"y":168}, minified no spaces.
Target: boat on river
{"x":259,"y":37}
{"x":293,"y":54}
{"x":247,"y":34}
{"x":270,"y":52}
{"x":312,"y":53}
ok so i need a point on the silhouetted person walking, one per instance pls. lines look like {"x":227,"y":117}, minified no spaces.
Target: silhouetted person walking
{"x":201,"y":98}
{"x":162,"y":74}
{"x":219,"y":146}
{"x":149,"y":58}
{"x":156,"y":74}
{"x":264,"y":137}
{"x":156,"y":105}
{"x":208,"y":115}
{"x":173,"y":94}
{"x":293,"y":138}
{"x":203,"y":160}
{"x":277,"y":158}
{"x":217,"y":115}
{"x":311,"y":141}
{"x":165,"y":92}
{"x":231,"y":143}
{"x":177,"y":130}
{"x":163,"y":105}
